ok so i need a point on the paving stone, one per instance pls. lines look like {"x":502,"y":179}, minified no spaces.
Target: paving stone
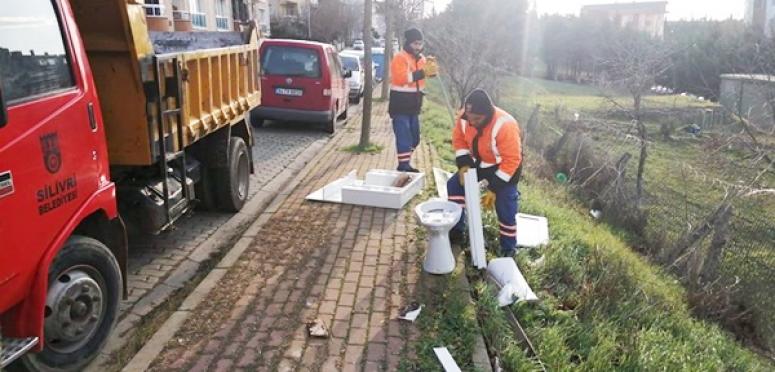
{"x":339,"y":263}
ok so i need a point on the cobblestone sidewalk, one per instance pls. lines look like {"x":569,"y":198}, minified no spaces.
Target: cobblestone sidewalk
{"x":352,"y":267}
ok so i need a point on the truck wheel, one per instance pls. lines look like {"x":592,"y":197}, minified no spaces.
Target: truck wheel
{"x":232,"y":184}
{"x":203,"y":190}
{"x":84,"y":285}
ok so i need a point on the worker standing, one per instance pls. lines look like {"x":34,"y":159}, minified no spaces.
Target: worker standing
{"x":408,"y":71}
{"x":487,"y":138}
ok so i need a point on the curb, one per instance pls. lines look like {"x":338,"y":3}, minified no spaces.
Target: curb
{"x":481,"y":357}
{"x":235,"y":227}
{"x":155,"y":345}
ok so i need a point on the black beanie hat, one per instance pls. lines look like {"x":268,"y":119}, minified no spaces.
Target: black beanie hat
{"x":480,"y":102}
{"x":411,"y":35}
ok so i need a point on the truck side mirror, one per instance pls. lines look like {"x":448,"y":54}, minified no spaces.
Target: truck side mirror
{"x":348,"y":73}
{"x":3,"y":110}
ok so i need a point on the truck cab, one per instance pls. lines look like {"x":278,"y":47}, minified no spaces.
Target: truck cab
{"x":56,"y":196}
{"x":101,"y":123}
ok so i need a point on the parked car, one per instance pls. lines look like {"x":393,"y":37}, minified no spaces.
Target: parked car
{"x":358,"y":44}
{"x":301,"y":81}
{"x":357,"y":80}
{"x":362,"y":55}
{"x":378,"y":57}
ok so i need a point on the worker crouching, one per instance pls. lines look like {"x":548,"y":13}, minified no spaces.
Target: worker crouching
{"x":487,"y":138}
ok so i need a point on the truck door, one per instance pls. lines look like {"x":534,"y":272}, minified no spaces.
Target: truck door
{"x":50,"y":146}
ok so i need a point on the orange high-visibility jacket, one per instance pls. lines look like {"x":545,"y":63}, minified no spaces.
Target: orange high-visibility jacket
{"x":407,"y":83}
{"x":402,"y":73}
{"x":499,"y":144}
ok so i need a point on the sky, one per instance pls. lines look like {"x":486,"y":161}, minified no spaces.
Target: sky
{"x":676,"y":9}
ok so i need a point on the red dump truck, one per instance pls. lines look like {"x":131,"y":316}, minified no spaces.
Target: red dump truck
{"x":105,"y":128}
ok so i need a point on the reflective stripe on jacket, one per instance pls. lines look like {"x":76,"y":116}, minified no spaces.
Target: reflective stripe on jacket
{"x":407,"y":83}
{"x":499,"y":144}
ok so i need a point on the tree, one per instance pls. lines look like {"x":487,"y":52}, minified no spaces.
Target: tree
{"x":368,"y":89}
{"x":477,"y":42}
{"x":326,"y":22}
{"x":632,"y":62}
{"x":388,"y":13}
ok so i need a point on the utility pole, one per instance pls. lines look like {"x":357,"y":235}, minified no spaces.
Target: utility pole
{"x":388,"y":49}
{"x":368,"y":93}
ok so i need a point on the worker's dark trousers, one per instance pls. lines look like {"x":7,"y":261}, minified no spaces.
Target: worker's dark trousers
{"x":407,"y":131}
{"x":506,"y":207}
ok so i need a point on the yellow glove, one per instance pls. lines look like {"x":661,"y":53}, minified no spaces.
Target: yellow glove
{"x":488,"y":200}
{"x":431,"y":67}
{"x":461,"y":174}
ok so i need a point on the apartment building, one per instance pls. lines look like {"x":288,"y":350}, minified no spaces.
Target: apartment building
{"x":648,"y":17}
{"x":189,"y":15}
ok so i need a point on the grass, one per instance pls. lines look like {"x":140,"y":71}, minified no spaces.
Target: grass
{"x":685,"y":180}
{"x":603,"y":307}
{"x":371,"y":148}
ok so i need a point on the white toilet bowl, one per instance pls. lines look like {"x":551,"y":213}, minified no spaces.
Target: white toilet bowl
{"x":438,"y":217}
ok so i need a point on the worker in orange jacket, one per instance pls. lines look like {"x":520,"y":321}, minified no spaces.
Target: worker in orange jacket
{"x":408,"y":71}
{"x":487,"y":139}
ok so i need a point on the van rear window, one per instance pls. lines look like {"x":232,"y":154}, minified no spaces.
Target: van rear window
{"x":290,"y":61}
{"x":350,"y":63}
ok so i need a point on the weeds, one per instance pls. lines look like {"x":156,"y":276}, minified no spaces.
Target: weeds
{"x":371,"y":148}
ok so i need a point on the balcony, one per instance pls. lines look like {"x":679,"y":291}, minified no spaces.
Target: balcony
{"x":180,"y":15}
{"x":199,"y":20}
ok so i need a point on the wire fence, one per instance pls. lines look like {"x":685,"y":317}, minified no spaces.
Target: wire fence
{"x":696,"y":216}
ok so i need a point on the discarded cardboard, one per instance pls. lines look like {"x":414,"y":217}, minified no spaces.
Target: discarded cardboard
{"x":446,"y":359}
{"x":532,"y":231}
{"x":375,"y":190}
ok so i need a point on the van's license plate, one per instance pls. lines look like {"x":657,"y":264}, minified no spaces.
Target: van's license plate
{"x":289,"y":92}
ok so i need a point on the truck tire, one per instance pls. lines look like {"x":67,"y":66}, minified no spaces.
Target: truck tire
{"x":232,"y":184}
{"x":203,"y":191}
{"x":81,"y":306}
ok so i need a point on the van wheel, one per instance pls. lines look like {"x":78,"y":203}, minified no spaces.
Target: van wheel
{"x":329,"y":126}
{"x":232,"y":184}
{"x":256,"y":122}
{"x":81,"y":306}
{"x":357,"y":99}
{"x":343,"y":116}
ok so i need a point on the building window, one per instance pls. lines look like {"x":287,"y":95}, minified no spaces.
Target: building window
{"x":221,"y":15}
{"x":33,"y":58}
{"x":153,"y":8}
{"x":291,"y":9}
{"x":198,"y":17}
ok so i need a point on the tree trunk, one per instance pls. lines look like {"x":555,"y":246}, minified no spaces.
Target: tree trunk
{"x":368,"y":89}
{"x":388,"y":49}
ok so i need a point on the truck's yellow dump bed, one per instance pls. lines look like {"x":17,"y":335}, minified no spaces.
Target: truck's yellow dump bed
{"x":220,"y":85}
